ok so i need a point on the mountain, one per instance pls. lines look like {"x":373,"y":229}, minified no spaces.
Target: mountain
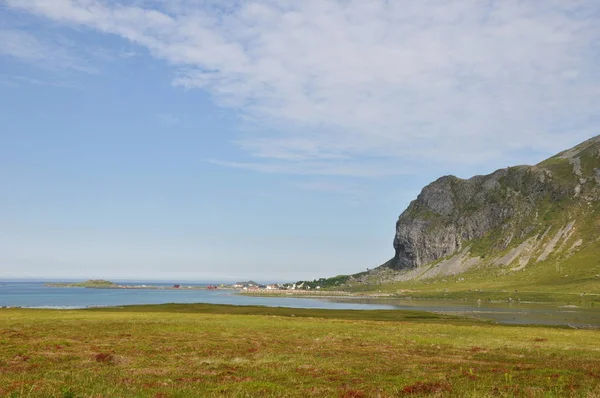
{"x":539,"y":224}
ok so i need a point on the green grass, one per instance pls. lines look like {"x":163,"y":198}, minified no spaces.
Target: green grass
{"x":589,"y":162}
{"x":562,"y":169}
{"x":208,"y":350}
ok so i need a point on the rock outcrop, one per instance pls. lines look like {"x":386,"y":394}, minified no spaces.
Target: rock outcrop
{"x":488,"y":214}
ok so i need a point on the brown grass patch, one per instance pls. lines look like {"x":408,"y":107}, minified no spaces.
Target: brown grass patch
{"x":353,"y":394}
{"x":427,"y":388}
{"x":104,"y":357}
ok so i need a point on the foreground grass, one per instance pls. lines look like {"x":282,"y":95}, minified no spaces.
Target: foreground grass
{"x":207,"y":350}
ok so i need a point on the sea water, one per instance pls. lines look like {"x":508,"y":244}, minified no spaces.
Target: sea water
{"x":35,"y":294}
{"x":38,"y":295}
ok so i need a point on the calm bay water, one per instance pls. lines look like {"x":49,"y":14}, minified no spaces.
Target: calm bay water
{"x":35,"y":294}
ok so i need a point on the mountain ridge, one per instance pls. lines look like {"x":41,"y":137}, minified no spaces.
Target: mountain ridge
{"x":451,"y":212}
{"x":516,"y":226}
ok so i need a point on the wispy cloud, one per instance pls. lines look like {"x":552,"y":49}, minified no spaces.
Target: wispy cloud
{"x":325,"y":186}
{"x":127,"y":54}
{"x":7,"y":83}
{"x":44,"y":53}
{"x":352,"y":167}
{"x":38,"y":82}
{"x":364,"y":85}
{"x":168,"y":118}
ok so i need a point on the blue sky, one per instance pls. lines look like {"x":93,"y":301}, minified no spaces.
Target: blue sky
{"x":221,"y":140}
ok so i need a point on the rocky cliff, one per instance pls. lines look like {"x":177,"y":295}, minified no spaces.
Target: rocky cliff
{"x":514,"y":216}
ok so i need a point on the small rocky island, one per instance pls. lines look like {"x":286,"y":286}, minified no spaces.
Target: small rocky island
{"x":104,"y":284}
{"x":92,"y":283}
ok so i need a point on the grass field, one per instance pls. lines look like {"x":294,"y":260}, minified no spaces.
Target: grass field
{"x":209,"y":350}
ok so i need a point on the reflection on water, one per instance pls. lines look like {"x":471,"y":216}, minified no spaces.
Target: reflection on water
{"x":508,"y":313}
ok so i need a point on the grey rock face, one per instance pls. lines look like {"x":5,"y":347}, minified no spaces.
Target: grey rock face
{"x":451,"y":211}
{"x":510,"y":204}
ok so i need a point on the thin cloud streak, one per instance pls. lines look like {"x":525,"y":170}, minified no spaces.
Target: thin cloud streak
{"x":38,"y":82}
{"x":319,"y":83}
{"x":26,"y":47}
{"x":325,"y":186}
{"x":350,"y":168}
{"x":168,"y":118}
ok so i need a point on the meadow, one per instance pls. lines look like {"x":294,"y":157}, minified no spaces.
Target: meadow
{"x":218,"y":350}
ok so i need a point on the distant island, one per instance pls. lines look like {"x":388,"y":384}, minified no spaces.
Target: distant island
{"x":92,"y":283}
{"x":104,"y":284}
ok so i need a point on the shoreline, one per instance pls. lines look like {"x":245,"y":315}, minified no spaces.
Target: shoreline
{"x":467,"y":316}
{"x":469,"y":297}
{"x":552,"y":316}
{"x":133,"y":287}
{"x":294,"y":293}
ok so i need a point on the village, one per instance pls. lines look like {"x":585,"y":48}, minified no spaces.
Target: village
{"x":243,"y":286}
{"x":299,"y":288}
{"x":253,"y":286}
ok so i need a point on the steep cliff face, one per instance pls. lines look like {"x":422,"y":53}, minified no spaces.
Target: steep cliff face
{"x":488,"y":214}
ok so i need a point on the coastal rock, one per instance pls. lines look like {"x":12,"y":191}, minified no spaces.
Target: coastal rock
{"x":495,"y":211}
